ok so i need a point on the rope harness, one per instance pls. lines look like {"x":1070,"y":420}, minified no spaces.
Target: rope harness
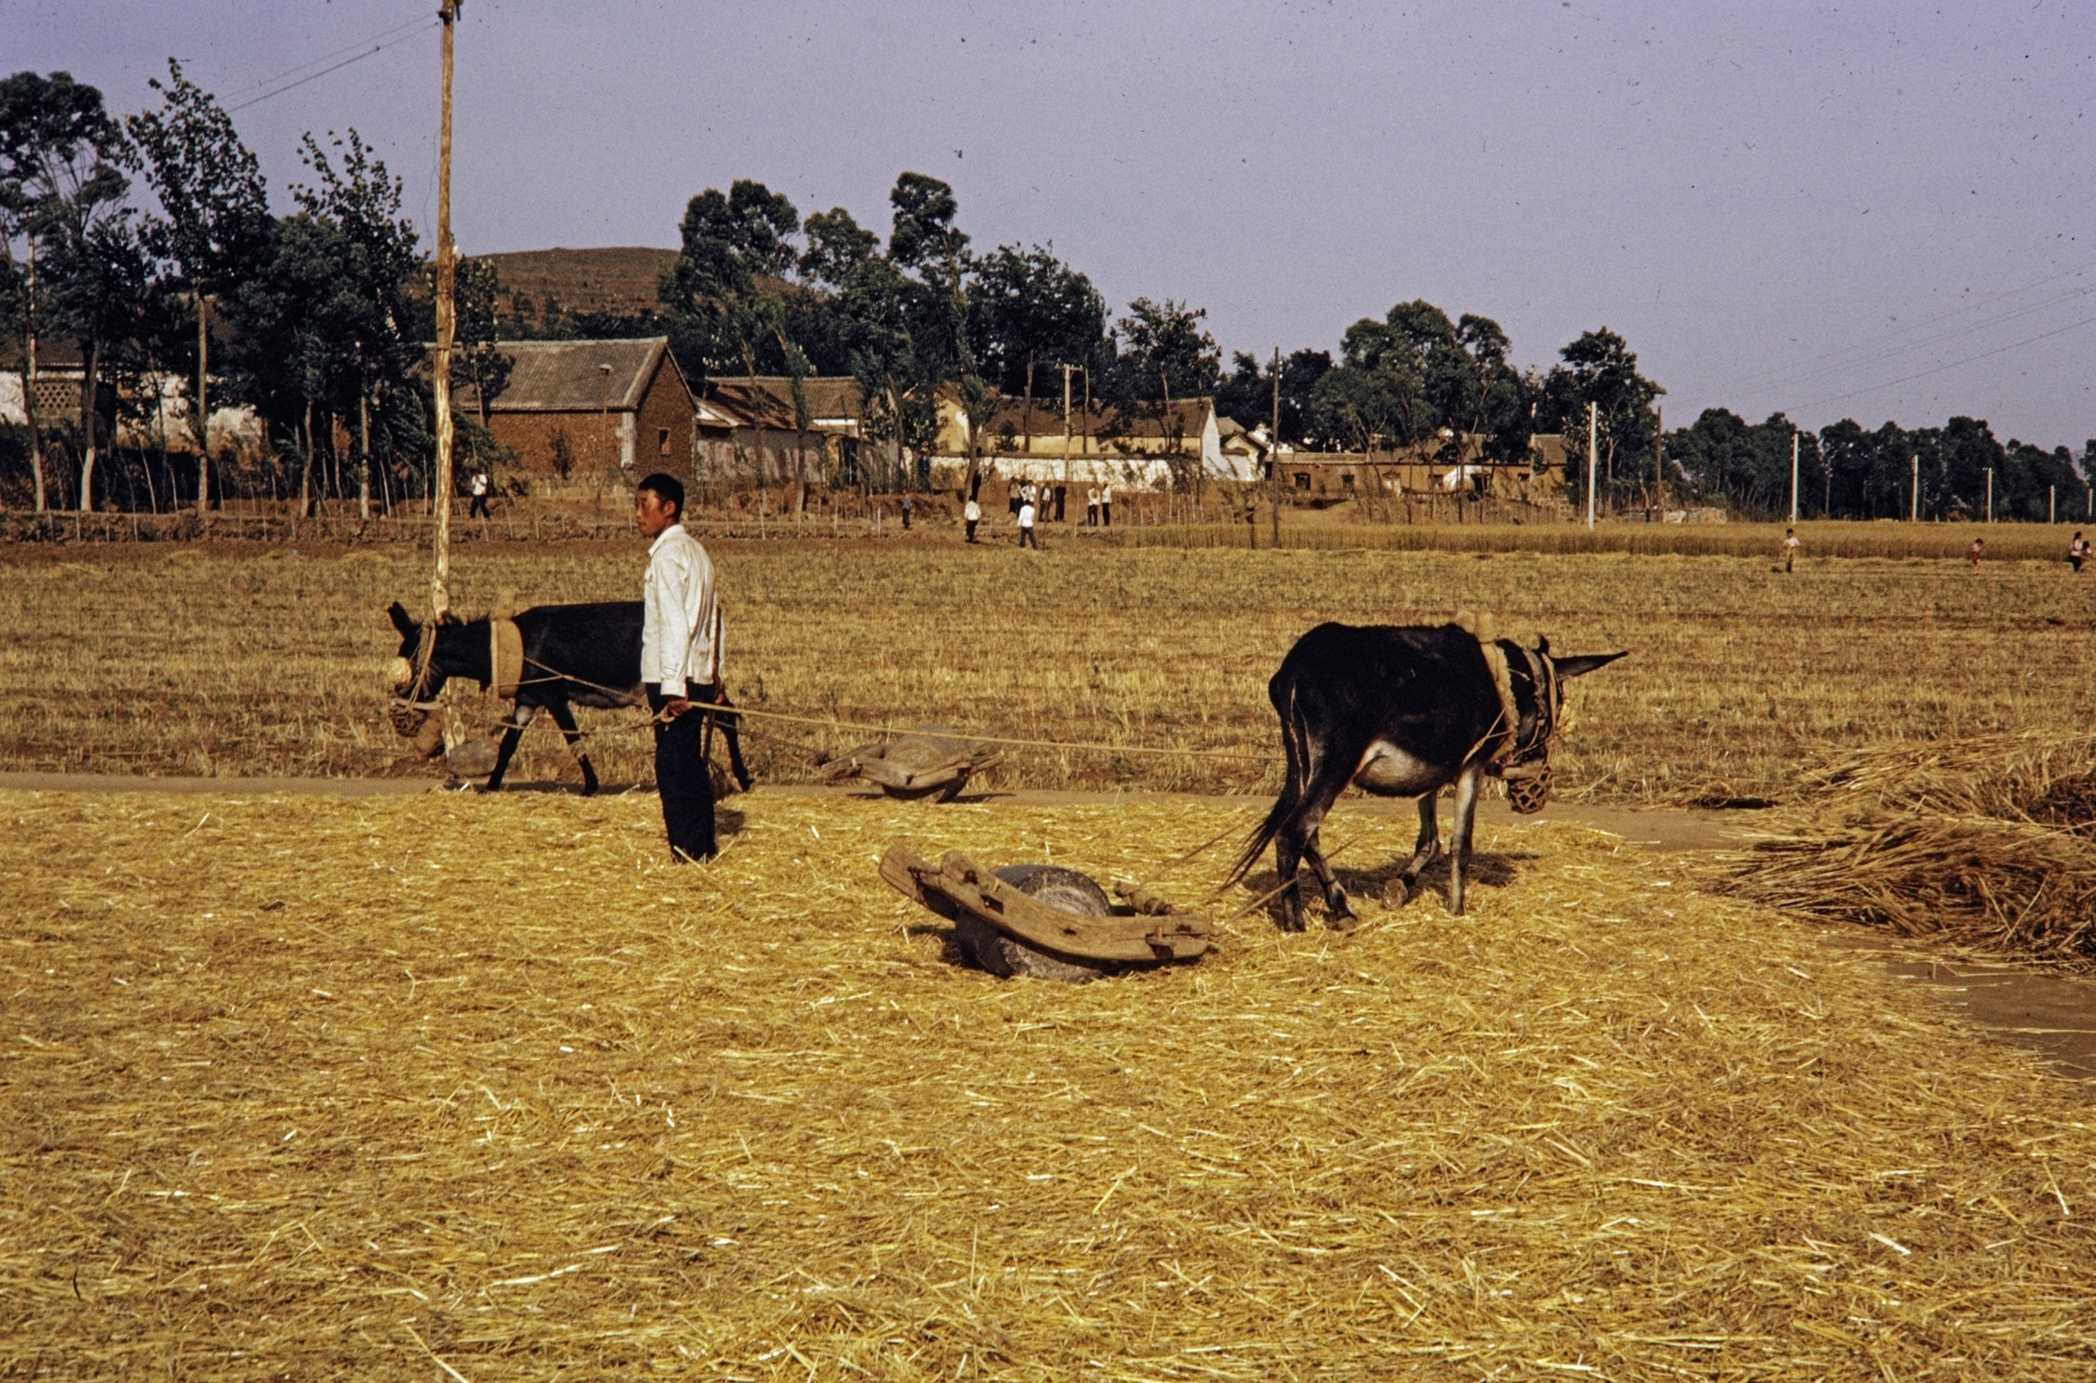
{"x":1522,"y":763}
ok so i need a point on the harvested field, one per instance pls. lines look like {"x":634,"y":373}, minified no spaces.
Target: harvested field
{"x":465,"y":1086}
{"x":189,"y":660}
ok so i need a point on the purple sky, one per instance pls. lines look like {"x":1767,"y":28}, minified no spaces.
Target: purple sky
{"x":1783,"y":206}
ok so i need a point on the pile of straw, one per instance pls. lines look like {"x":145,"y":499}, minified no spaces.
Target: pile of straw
{"x":1989,"y":843}
{"x":466,"y":1088}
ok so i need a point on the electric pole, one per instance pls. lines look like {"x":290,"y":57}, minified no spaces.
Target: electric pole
{"x":1914,"y":514}
{"x":1593,"y":456}
{"x":1793,"y":475}
{"x":1067,"y":370}
{"x":447,"y":315}
{"x":1273,"y":453}
{"x":1659,"y":449}
{"x":1990,"y":494}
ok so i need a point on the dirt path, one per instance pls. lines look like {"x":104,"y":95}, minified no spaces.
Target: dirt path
{"x":2054,"y":1015}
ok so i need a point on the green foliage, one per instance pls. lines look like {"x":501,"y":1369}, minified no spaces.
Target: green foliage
{"x":1600,"y":369}
{"x":1247,"y":393}
{"x":1032,"y":311}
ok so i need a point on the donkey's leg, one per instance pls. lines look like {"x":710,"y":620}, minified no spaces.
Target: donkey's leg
{"x":564,"y":716}
{"x":1426,"y":847}
{"x":1459,"y":834}
{"x":520,"y":715}
{"x":1323,"y":791}
{"x":1288,"y":860}
{"x":732,"y":736}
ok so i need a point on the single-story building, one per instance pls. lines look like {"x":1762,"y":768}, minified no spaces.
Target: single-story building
{"x":589,"y":408}
{"x":1144,"y":445}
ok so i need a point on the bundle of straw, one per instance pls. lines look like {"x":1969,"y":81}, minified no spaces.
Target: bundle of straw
{"x":1984,"y":842}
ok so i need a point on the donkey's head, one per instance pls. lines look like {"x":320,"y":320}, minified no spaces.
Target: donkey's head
{"x":406,"y":674}
{"x":1538,"y":679}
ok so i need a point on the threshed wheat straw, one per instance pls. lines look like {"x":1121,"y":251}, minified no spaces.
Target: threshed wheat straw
{"x":483,"y":1088}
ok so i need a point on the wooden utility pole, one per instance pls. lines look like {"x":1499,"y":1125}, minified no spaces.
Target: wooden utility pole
{"x":1914,"y":513}
{"x":447,"y":322}
{"x":1659,"y":447}
{"x":1273,"y":453}
{"x":1793,"y":475}
{"x":1990,"y":494}
{"x":1067,"y":370}
{"x":1593,"y":457}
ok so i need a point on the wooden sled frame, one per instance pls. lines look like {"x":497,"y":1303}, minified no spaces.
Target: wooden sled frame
{"x":1150,"y":933}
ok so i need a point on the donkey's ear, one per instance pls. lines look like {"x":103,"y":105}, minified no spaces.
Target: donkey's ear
{"x":1586,"y":663}
{"x":402,"y":621}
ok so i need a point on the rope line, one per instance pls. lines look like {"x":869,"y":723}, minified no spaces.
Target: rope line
{"x":832,"y":724}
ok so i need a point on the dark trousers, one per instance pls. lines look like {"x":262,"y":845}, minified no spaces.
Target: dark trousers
{"x":1026,"y":539}
{"x":1106,"y":515}
{"x":972,"y":522}
{"x":479,"y":507}
{"x":681,"y":777}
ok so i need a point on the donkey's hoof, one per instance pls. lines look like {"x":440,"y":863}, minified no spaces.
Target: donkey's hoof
{"x":1344,"y":920}
{"x":1399,"y":891}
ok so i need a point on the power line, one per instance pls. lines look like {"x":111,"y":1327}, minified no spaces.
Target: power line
{"x":1939,"y":369}
{"x":331,"y":54}
{"x":337,"y":67}
{"x":1799,"y":366}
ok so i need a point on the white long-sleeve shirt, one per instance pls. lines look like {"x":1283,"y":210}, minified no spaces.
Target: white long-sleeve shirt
{"x":680,"y":640}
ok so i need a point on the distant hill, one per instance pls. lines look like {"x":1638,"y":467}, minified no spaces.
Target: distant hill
{"x":617,"y":279}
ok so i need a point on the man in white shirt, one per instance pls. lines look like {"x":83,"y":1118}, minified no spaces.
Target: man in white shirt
{"x":971,"y":515}
{"x":479,"y":508}
{"x":679,"y":663}
{"x":1106,"y":504}
{"x":1026,"y":537}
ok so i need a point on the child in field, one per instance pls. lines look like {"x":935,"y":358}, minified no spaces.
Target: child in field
{"x":2077,"y":551}
{"x":1790,"y":548}
{"x":1975,"y":552}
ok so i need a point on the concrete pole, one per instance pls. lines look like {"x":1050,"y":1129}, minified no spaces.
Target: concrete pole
{"x":1593,"y":456}
{"x":1914,"y":513}
{"x":1990,"y":494}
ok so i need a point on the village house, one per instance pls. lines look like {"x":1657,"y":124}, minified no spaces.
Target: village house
{"x":1325,"y":477}
{"x":1143,"y":446}
{"x":583,"y":411}
{"x":752,"y":428}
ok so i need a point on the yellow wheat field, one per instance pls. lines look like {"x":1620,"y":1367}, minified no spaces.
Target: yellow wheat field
{"x":196,"y":661}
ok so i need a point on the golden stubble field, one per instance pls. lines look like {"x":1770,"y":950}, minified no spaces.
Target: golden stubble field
{"x":192,"y":661}
{"x":478,"y":1088}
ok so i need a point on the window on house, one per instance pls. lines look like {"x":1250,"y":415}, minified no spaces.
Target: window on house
{"x":662,"y":440}
{"x":1302,"y":480}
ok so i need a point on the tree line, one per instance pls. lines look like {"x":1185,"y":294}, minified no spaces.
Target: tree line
{"x":146,"y":243}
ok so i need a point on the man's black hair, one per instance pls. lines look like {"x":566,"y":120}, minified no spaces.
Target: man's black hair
{"x":666,"y":488}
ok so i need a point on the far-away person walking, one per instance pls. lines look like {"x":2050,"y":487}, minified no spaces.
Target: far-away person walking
{"x":1790,"y":548}
{"x":971,"y":514}
{"x":679,"y":662}
{"x":1976,"y":551}
{"x":1026,"y":537}
{"x":2077,"y":551}
{"x":479,"y":508}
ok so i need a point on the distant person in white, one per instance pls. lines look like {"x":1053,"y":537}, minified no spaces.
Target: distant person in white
{"x":679,"y":662}
{"x":479,"y":507}
{"x":1106,"y":505}
{"x":971,"y":515}
{"x":1026,"y":537}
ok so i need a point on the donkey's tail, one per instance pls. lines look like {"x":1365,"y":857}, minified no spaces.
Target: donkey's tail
{"x":1285,"y":805}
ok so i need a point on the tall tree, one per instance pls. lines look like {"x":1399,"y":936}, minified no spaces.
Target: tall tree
{"x":59,"y":183}
{"x":1033,"y":311}
{"x":1600,"y":369}
{"x":1247,"y":393}
{"x":728,"y":278}
{"x":214,"y":215}
{"x":932,"y":253}
{"x":367,"y":307}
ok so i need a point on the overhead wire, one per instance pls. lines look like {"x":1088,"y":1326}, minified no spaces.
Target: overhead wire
{"x":1939,"y":369}
{"x":418,"y":28}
